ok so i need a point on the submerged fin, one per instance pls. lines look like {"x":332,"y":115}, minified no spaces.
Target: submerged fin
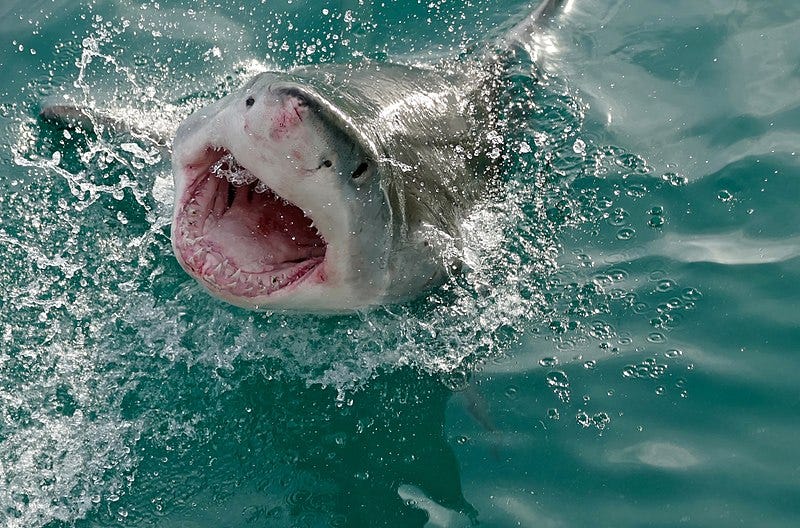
{"x":70,"y":114}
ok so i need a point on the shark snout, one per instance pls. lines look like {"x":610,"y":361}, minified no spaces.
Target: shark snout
{"x":274,"y":117}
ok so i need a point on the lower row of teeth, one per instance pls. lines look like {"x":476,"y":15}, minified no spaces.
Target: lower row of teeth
{"x":228,"y":168}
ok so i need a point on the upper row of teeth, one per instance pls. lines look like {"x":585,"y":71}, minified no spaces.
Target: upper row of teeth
{"x":227,"y":167}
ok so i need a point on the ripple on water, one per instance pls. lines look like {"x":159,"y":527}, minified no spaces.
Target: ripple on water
{"x":105,"y":327}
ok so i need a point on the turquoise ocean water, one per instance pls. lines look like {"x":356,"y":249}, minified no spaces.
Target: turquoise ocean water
{"x":622,"y":350}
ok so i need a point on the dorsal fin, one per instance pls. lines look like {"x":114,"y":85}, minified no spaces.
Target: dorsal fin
{"x":522,"y":32}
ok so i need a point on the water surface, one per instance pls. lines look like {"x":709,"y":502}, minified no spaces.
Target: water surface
{"x":621,"y":351}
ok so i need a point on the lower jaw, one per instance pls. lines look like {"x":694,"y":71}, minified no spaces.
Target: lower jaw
{"x":224,"y":279}
{"x":234,"y":283}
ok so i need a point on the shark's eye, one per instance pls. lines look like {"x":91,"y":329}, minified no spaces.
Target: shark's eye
{"x":327,"y":163}
{"x":250,"y":101}
{"x":361,"y":169}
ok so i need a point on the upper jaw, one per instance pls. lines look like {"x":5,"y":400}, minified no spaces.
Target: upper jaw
{"x":249,"y":248}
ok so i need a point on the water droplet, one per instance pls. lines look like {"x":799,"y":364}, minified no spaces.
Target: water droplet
{"x":691,"y":294}
{"x":579,"y":147}
{"x":601,"y":420}
{"x":557,"y":379}
{"x":626,"y":233}
{"x":548,"y":361}
{"x":656,"y":221}
{"x":656,"y":337}
{"x":673,"y":353}
{"x":724,"y":195}
{"x":553,"y":414}
{"x":674,"y":179}
{"x":591,"y":364}
{"x":674,"y":303}
{"x":618,"y":217}
{"x":511,"y":393}
{"x":666,"y":285}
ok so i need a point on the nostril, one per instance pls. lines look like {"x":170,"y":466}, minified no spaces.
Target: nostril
{"x":250,"y":101}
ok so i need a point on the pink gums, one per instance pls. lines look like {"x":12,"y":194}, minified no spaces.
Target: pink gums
{"x":243,"y":243}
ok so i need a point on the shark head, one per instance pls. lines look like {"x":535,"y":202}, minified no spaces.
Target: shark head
{"x":279,"y":202}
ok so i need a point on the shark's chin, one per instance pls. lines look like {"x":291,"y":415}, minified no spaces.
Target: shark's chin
{"x":238,"y":237}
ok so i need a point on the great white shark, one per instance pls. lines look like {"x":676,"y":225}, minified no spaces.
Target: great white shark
{"x":335,"y":187}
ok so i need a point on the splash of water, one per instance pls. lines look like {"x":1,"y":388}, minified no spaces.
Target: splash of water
{"x":96,"y":309}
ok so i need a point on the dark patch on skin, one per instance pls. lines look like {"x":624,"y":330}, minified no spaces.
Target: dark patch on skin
{"x":250,"y":101}
{"x":361,"y":169}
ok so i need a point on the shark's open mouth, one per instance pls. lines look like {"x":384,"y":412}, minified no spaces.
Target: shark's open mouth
{"x":237,"y":235}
